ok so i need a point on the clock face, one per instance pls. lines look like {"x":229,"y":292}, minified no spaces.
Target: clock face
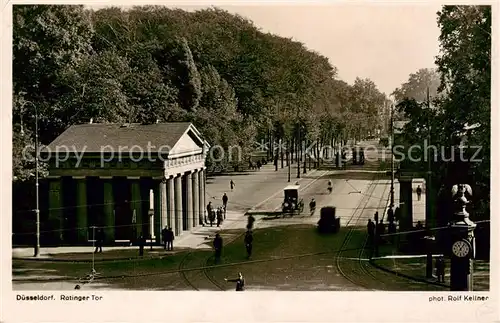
{"x":461,"y":248}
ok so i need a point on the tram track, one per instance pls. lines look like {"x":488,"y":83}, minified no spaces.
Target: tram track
{"x":184,"y":271}
{"x":356,"y":216}
{"x":201,"y":267}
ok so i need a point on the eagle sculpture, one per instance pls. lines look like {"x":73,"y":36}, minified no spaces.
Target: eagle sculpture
{"x":458,"y":192}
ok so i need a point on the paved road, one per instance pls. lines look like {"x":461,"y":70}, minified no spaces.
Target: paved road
{"x":263,"y":190}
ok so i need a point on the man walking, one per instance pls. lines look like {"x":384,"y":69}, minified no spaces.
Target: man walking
{"x":164,"y":235}
{"x":170,"y":239}
{"x":248,"y":243}
{"x":224,"y":202}
{"x":232,"y":185}
{"x":218,"y":247}
{"x":219,"y":216}
{"x":209,"y":211}
{"x":440,"y":269}
{"x":142,"y":242}
{"x":99,"y":240}
{"x":419,"y":192}
{"x":371,"y":230}
{"x":240,"y":282}
{"x":251,"y":220}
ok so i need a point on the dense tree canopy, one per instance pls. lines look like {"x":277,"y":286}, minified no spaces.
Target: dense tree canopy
{"x":462,"y":105}
{"x":236,"y":83}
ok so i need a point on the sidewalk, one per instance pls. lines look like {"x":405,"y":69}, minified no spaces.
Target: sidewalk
{"x":418,"y":206}
{"x":199,"y":237}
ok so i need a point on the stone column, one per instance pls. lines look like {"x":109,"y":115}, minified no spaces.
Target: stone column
{"x":56,"y":218}
{"x":405,"y":199}
{"x":136,"y":205}
{"x":109,"y":210}
{"x":171,"y":203}
{"x":157,"y":218}
{"x":196,"y":199}
{"x":189,"y":201}
{"x":163,"y":206}
{"x":201,"y":184}
{"x":81,"y":210}
{"x":430,"y":205}
{"x":178,"y":205}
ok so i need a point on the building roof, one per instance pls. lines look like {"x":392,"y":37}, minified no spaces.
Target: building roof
{"x":94,"y":137}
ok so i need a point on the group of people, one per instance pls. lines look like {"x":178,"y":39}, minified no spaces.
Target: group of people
{"x":376,"y":230}
{"x":167,"y":238}
{"x":218,"y":244}
{"x":216,"y":214}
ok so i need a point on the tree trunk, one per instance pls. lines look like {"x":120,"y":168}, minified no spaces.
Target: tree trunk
{"x":281,"y":151}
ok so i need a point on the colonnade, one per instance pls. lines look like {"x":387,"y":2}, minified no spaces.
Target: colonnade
{"x":177,"y":201}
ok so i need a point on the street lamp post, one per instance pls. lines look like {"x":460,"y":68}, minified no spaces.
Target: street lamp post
{"x":289,"y":162}
{"x":392,"y":156}
{"x":37,"y":186}
{"x":299,"y":152}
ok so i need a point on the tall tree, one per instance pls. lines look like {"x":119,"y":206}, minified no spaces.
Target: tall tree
{"x":417,"y":85}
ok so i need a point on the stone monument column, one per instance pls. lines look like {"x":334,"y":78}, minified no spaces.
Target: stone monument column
{"x":136,"y":205}
{"x":163,"y":204}
{"x":56,"y":218}
{"x":178,"y":205}
{"x":189,"y":201}
{"x":406,"y":203}
{"x":109,"y":210}
{"x":81,"y":210}
{"x":171,"y":203}
{"x":196,"y":199}
{"x":203,"y":205}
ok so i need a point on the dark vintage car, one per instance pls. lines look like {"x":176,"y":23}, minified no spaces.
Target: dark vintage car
{"x":292,"y":203}
{"x":328,"y":222}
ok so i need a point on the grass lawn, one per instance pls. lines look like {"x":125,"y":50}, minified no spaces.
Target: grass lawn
{"x":293,"y":257}
{"x":415,"y":267}
{"x":270,"y":246}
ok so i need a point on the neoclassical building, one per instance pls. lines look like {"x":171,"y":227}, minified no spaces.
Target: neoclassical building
{"x":129,"y":179}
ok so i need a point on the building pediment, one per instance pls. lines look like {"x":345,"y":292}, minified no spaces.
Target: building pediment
{"x":190,"y":143}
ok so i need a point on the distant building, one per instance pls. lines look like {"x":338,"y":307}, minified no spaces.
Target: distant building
{"x":130,"y":179}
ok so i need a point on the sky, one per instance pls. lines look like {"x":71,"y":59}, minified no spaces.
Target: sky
{"x":383,"y":42}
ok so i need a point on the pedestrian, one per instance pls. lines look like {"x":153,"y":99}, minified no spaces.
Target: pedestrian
{"x":99,"y":240}
{"x":219,"y":216}
{"x":164,"y":235}
{"x":170,"y":239}
{"x":224,"y":202}
{"x":390,"y":215}
{"x":209,"y":211}
{"x":440,"y":265}
{"x":211,"y":217}
{"x":142,"y":242}
{"x":419,"y":192}
{"x":312,"y":206}
{"x":251,"y":220}
{"x":249,"y":243}
{"x":240,"y":282}
{"x":375,"y":217}
{"x":276,"y":163}
{"x":218,"y":247}
{"x":370,"y":227}
{"x":232,"y":185}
